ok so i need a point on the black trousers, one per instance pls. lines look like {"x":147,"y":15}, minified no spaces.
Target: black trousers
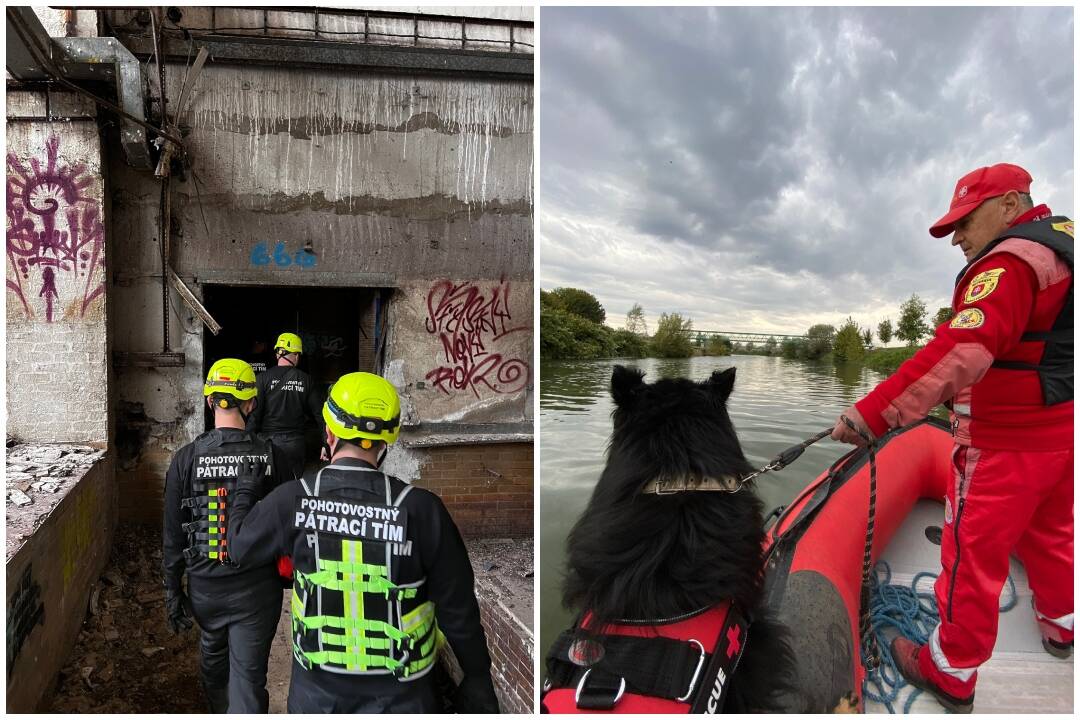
{"x":292,"y":448}
{"x":318,"y":691}
{"x":238,"y":621}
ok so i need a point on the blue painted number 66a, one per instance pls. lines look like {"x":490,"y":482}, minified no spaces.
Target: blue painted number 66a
{"x":281,"y":257}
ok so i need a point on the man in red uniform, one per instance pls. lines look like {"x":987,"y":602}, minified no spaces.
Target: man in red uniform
{"x":1004,"y":364}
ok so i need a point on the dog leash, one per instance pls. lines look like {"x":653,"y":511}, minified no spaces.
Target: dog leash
{"x":786,"y":457}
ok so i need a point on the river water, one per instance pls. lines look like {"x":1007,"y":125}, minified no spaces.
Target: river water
{"x":776,"y":403}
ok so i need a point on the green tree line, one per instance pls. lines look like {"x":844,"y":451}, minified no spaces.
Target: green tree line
{"x":572,"y":326}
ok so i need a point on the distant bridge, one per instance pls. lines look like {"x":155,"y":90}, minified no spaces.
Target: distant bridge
{"x":701,"y":336}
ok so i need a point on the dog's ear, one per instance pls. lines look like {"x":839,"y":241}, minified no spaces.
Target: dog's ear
{"x":721,"y":382}
{"x":624,"y":381}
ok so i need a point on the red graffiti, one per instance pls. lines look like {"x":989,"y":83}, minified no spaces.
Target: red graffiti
{"x":468,"y":320}
{"x":53,"y":226}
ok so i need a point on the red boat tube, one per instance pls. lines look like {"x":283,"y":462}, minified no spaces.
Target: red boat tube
{"x":814,"y":566}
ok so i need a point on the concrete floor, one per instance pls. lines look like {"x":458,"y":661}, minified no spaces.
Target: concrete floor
{"x":280,"y":667}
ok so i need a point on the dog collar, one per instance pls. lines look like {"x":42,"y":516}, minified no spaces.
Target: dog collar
{"x":668,"y":486}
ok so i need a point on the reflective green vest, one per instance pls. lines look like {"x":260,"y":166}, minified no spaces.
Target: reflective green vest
{"x":349,"y":615}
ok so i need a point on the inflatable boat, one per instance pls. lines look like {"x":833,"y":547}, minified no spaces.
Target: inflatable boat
{"x":814,"y":565}
{"x":814,"y":577}
{"x":814,"y":570}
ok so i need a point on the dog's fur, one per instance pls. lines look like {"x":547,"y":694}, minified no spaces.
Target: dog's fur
{"x":641,"y":556}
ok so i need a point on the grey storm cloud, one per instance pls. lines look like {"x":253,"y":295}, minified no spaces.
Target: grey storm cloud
{"x":684,"y":151}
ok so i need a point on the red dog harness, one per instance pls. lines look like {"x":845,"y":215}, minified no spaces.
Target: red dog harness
{"x":677,"y":666}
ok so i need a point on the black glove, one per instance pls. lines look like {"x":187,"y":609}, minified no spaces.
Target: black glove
{"x":476,"y":694}
{"x":177,"y":611}
{"x":251,"y":475}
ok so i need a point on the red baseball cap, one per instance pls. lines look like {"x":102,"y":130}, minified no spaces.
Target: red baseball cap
{"x":979,"y":185}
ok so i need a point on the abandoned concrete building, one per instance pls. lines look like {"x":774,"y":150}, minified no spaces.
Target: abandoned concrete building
{"x":185,"y":183}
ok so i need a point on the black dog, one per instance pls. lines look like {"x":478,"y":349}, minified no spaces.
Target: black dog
{"x":642,"y":556}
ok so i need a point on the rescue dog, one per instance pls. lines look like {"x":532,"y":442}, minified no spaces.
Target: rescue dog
{"x":646,"y":556}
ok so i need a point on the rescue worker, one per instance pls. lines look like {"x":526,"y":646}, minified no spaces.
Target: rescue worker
{"x":1004,"y":364}
{"x":382,"y":578}
{"x":287,"y":402}
{"x":237,"y":607}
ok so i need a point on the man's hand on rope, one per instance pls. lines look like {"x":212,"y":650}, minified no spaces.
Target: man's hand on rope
{"x":842,"y":432}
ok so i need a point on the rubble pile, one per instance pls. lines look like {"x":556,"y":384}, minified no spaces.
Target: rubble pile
{"x":34,"y":470}
{"x":125,"y":659}
{"x":506,"y":565}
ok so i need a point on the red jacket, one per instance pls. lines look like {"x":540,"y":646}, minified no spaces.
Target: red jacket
{"x":1019,"y":286}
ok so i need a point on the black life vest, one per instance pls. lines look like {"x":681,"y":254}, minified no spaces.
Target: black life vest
{"x":682,"y":665}
{"x":213,"y":479}
{"x":1055,"y":368}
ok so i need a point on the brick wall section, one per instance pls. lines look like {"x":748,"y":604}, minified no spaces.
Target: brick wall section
{"x":55,"y":570}
{"x":488,"y":488}
{"x":57,"y":366}
{"x":56,"y":377}
{"x":511,"y":646}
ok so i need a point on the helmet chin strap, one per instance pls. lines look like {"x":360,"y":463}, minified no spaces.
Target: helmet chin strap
{"x":240,"y":409}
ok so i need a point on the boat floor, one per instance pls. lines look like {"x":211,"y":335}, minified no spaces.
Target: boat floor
{"x":1021,"y":677}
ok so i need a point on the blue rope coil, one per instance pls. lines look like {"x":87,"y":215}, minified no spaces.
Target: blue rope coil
{"x":911,"y":612}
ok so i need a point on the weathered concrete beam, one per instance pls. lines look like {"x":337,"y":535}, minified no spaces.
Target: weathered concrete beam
{"x":325,"y":54}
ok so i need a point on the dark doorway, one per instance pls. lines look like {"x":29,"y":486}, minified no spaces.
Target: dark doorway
{"x":336,"y":326}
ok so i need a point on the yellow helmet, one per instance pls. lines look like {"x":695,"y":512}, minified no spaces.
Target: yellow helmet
{"x":230,"y":376}
{"x":289,"y":342}
{"x":362,"y":405}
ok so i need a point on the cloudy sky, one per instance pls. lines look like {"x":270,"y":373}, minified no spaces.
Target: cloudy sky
{"x":764,"y":169}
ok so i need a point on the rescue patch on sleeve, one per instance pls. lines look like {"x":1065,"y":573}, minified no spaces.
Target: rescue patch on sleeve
{"x":1065,"y":227}
{"x":968,"y":319}
{"x":362,"y":521}
{"x":982,"y":285}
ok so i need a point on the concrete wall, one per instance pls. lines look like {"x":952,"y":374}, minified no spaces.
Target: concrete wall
{"x":49,"y":581}
{"x":462,"y":351}
{"x":57,"y":370}
{"x":420,"y":185}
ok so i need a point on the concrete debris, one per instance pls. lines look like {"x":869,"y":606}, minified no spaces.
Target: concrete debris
{"x":43,"y":454}
{"x":106,"y":673}
{"x":149,"y":597}
{"x":95,"y":595}
{"x":45,"y":468}
{"x":114,"y":578}
{"x":18,"y":497}
{"x":151,"y":651}
{"x":505,"y":566}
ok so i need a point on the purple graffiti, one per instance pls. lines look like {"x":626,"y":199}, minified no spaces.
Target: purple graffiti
{"x":53,"y":226}
{"x":467,"y":320}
